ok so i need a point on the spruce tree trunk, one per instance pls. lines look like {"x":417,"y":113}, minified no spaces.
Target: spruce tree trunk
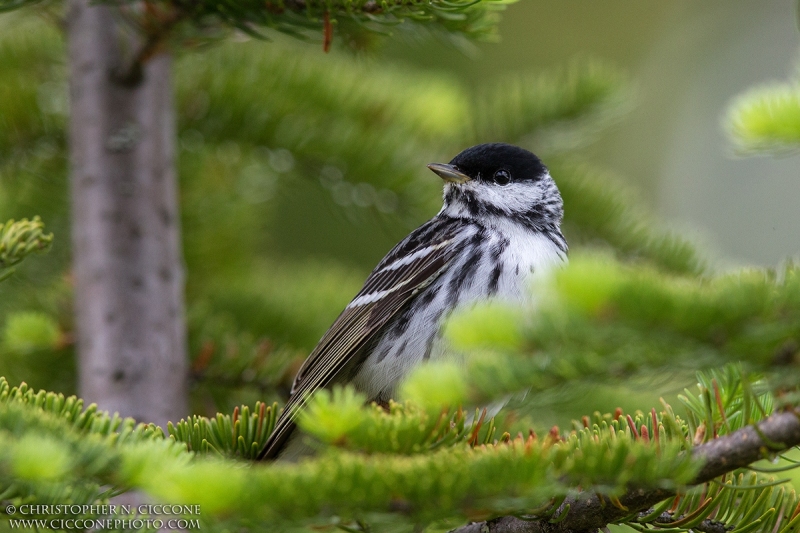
{"x":127,"y":260}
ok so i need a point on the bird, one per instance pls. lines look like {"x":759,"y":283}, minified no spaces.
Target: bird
{"x":500,"y":224}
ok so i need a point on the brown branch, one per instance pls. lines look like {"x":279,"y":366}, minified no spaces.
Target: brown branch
{"x":589,"y":512}
{"x":155,"y":25}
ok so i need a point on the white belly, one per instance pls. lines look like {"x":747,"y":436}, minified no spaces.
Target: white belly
{"x":395,"y":353}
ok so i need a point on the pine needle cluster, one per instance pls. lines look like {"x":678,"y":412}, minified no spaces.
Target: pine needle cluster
{"x":766,"y":119}
{"x":20,"y":239}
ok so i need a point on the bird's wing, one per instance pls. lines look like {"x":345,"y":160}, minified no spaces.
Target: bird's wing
{"x":409,"y":267}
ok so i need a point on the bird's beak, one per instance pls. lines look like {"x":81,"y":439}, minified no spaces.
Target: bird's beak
{"x":449,"y":173}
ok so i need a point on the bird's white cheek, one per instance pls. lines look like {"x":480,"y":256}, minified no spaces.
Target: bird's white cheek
{"x":511,"y":198}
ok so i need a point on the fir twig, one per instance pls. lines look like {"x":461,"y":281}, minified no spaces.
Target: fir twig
{"x":19,"y":239}
{"x":722,"y":455}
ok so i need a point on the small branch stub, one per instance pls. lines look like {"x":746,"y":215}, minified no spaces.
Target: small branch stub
{"x":327,"y":32}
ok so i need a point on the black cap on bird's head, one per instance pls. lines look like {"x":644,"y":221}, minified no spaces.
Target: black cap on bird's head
{"x":499,"y":182}
{"x":497,"y":163}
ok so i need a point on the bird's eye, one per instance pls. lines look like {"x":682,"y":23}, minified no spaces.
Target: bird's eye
{"x":502,"y":177}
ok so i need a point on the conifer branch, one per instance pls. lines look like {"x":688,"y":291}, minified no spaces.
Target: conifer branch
{"x":765,"y":119}
{"x":600,"y":208}
{"x":706,"y":322}
{"x":19,"y":239}
{"x":551,"y":110}
{"x":721,"y":455}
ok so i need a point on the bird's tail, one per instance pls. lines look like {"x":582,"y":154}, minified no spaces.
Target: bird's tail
{"x":291,"y":446}
{"x":276,"y":442}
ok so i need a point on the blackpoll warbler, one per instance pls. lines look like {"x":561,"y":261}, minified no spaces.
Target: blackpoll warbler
{"x":499,"y":224}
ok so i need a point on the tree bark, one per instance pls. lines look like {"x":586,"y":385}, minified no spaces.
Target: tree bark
{"x":127,"y":258}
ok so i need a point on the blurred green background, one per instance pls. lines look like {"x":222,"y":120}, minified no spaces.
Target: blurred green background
{"x":688,"y":60}
{"x":279,"y":234}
